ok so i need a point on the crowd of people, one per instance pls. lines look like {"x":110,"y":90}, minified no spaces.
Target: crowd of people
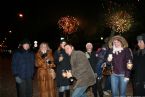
{"x":67,"y":72}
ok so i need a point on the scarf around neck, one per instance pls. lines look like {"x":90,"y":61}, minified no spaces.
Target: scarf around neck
{"x":117,"y":50}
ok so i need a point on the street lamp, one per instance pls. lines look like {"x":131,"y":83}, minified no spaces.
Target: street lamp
{"x":20,"y":15}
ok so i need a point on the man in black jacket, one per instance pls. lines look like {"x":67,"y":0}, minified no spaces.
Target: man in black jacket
{"x":23,"y":63}
{"x":139,"y":68}
{"x":91,"y":55}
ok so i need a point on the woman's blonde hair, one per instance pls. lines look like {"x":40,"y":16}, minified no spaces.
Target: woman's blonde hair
{"x":44,"y":43}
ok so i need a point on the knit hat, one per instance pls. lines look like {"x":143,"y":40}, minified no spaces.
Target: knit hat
{"x":119,"y":38}
{"x":89,"y":44}
{"x":141,"y":37}
{"x":25,"y":41}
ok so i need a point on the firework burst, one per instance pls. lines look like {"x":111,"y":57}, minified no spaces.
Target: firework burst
{"x":120,"y":21}
{"x":69,"y":24}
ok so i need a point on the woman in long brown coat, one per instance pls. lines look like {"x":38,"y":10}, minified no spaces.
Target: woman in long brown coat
{"x":45,"y":71}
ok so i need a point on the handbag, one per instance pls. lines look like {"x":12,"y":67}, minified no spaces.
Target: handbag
{"x":107,"y":71}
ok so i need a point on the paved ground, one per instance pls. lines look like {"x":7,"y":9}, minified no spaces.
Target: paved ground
{"x":7,"y":83}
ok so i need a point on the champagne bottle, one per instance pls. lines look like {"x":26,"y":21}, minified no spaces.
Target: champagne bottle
{"x":129,"y":64}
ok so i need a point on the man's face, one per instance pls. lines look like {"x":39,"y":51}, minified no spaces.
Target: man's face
{"x":89,"y":46}
{"x":68,"y":49}
{"x":141,"y":44}
{"x":26,"y":46}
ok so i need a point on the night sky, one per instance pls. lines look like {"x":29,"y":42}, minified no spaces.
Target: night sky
{"x":41,"y":16}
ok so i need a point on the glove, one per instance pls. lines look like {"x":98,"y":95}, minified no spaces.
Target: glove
{"x":18,"y":80}
{"x":126,"y":79}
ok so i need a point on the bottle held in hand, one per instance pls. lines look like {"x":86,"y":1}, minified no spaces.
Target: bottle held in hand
{"x":129,"y":65}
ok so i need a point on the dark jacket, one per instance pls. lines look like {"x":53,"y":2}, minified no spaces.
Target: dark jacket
{"x":139,"y":66}
{"x":93,"y":60}
{"x":61,"y":66}
{"x":101,"y":58}
{"x":23,"y":63}
{"x":119,"y":61}
{"x":82,"y":70}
